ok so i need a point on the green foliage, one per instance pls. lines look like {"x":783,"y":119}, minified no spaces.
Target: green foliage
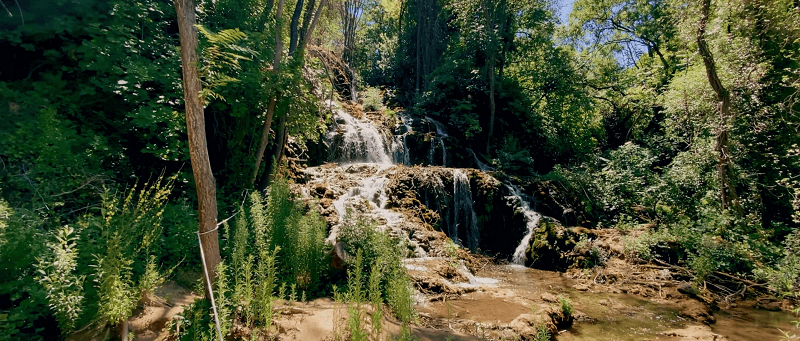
{"x":64,"y":287}
{"x":566,"y":306}
{"x":222,"y":299}
{"x":784,"y":277}
{"x":788,"y":335}
{"x":372,"y":99}
{"x":382,"y":252}
{"x":219,"y":59}
{"x":125,"y":231}
{"x":542,"y":334}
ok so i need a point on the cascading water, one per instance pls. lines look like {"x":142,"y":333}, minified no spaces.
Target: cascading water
{"x":441,"y":132}
{"x":463,"y":212}
{"x":371,"y":189}
{"x":532,"y":219}
{"x":482,"y":166}
{"x":355,"y":140}
{"x":400,"y":151}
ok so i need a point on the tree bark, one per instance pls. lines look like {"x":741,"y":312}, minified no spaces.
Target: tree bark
{"x":419,"y":45}
{"x":727,"y":186}
{"x":271,"y":106}
{"x":307,"y":16}
{"x":294,"y":33}
{"x":277,"y":152}
{"x":309,"y":31}
{"x":196,"y":128}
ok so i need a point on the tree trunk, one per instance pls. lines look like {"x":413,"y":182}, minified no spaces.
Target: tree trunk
{"x":277,"y":152}
{"x":310,"y":30}
{"x":727,"y":186}
{"x":196,"y":128}
{"x":307,"y":16}
{"x":262,"y":147}
{"x":491,"y":107}
{"x":294,"y":33}
{"x":419,"y":46}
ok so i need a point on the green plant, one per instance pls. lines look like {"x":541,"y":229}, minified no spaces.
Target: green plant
{"x":792,"y":336}
{"x":379,"y":250}
{"x":374,"y":293}
{"x":267,"y":274}
{"x":542,"y":334}
{"x":372,"y":99}
{"x":57,"y":275}
{"x":125,"y":230}
{"x":222,"y":299}
{"x":355,"y":296}
{"x":566,"y":306}
{"x":151,"y":278}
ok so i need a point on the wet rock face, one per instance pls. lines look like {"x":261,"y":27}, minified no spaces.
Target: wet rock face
{"x":429,"y":193}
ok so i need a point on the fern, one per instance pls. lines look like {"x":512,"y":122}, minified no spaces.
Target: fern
{"x":220,"y":58}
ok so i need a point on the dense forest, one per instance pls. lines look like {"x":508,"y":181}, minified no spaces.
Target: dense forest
{"x":136,"y":134}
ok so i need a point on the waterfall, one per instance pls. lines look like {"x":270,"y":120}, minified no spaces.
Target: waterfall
{"x":441,"y":132}
{"x":444,"y":153}
{"x":463,"y":212}
{"x":400,"y":152}
{"x":482,"y":166}
{"x":440,"y":129}
{"x":371,"y":189}
{"x":359,"y":140}
{"x":532,"y":219}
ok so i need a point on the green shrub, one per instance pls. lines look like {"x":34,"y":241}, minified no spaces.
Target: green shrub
{"x":372,"y":99}
{"x":384,"y":253}
{"x":566,"y":306}
{"x":58,"y":276}
{"x":542,"y":334}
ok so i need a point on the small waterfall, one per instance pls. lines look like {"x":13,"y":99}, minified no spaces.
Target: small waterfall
{"x":532,"y":219}
{"x":441,"y":132}
{"x":440,"y":129}
{"x":482,"y":166}
{"x":463,"y":212}
{"x":371,"y":189}
{"x":360,"y":140}
{"x":400,"y":152}
{"x":444,"y":153}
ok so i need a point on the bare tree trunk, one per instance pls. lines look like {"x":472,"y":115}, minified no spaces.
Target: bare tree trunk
{"x":727,"y":186}
{"x":271,"y":107}
{"x":294,"y":33}
{"x":309,"y":31}
{"x":419,"y":45}
{"x":277,"y":152}
{"x":491,"y":17}
{"x":196,"y":128}
{"x":491,"y":107}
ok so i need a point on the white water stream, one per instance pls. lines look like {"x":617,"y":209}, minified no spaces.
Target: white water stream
{"x":464,"y":212}
{"x":532,"y":219}
{"x":361,"y":141}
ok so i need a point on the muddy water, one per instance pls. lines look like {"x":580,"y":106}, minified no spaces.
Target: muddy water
{"x":601,"y":316}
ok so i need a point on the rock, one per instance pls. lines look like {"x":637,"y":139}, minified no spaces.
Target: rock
{"x":697,"y":311}
{"x":578,"y":316}
{"x":559,"y":319}
{"x":787,"y":305}
{"x":768,"y":303}
{"x":548,"y":297}
{"x":326,"y":203}
{"x":688,"y":289}
{"x":526,"y":325}
{"x":695,"y":333}
{"x":339,"y":256}
{"x":581,"y":286}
